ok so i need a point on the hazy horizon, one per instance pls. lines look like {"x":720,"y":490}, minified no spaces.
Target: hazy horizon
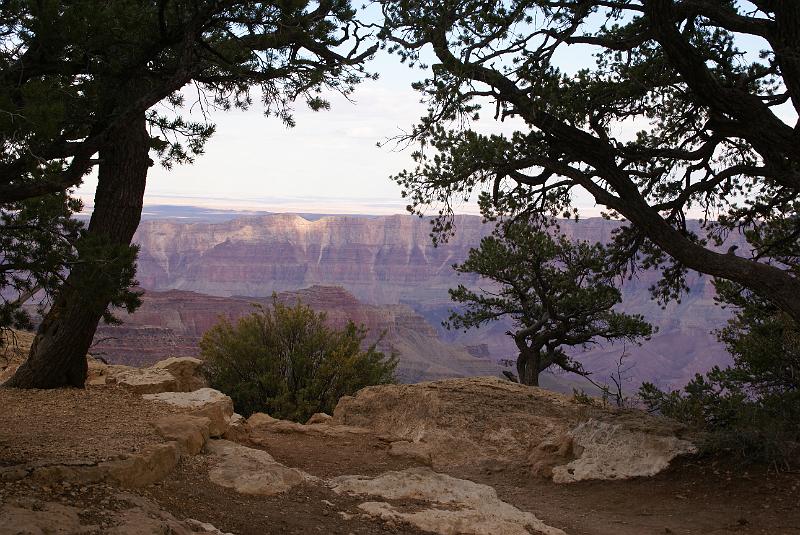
{"x":192,"y":207}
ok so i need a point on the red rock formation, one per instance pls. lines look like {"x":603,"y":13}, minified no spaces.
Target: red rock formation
{"x":171,"y":323}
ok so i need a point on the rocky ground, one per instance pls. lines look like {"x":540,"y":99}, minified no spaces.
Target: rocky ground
{"x":150,"y":451}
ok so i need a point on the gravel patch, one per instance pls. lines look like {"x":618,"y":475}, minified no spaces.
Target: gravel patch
{"x":61,"y":425}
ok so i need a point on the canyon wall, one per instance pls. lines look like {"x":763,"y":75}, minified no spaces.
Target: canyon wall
{"x":389,"y":260}
{"x":379,"y":259}
{"x":171,"y":323}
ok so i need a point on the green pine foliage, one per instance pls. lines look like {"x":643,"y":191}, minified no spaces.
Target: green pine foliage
{"x":287,"y":362}
{"x":558,"y":293}
{"x":751,"y":408}
{"x":37,"y":244}
{"x":705,"y":83}
{"x":40,"y":242}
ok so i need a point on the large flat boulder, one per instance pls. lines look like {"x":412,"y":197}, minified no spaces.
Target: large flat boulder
{"x":52,"y":518}
{"x":141,"y":380}
{"x":190,"y":432}
{"x":207,"y":402}
{"x":131,"y":515}
{"x":464,"y":422}
{"x":260,"y":423}
{"x":188,"y":372}
{"x":250,"y":471}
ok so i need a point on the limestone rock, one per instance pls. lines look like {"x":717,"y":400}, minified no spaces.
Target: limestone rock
{"x":186,"y":370}
{"x":549,"y":453}
{"x":152,"y":464}
{"x":132,"y":515}
{"x":454,"y":506}
{"x":138,"y":521}
{"x":238,"y":429}
{"x":463,"y":421}
{"x":415,"y":451}
{"x":145,"y":468}
{"x":264,"y":423}
{"x":250,"y":471}
{"x":319,"y":418}
{"x":489,"y":420}
{"x":207,"y":402}
{"x":175,"y":374}
{"x":142,"y":380}
{"x":610,"y":451}
{"x":190,"y":432}
{"x":97,"y":373}
{"x":260,"y":419}
{"x":203,"y":527}
{"x":237,"y":420}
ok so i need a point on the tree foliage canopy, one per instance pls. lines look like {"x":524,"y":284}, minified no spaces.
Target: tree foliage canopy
{"x":713,"y":88}
{"x":558,"y":294}
{"x":105,"y":85}
{"x":285,"y":361}
{"x":74,"y":71}
{"x":37,"y":245}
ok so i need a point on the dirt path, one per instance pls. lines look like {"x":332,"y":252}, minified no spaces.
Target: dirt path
{"x":692,"y":497}
{"x":305,"y":509}
{"x":698,"y":497}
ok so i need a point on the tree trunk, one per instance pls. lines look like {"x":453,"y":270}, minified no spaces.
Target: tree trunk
{"x":528,"y":368}
{"x":58,"y":354}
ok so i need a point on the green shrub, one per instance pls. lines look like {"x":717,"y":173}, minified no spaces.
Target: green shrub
{"x":287,"y":362}
{"x":753,"y":407}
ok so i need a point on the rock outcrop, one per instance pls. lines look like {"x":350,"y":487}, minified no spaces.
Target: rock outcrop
{"x":464,"y":422}
{"x":190,"y":432}
{"x":205,"y":402}
{"x":609,"y":450}
{"x":139,"y":469}
{"x":451,"y":505}
{"x":175,"y":374}
{"x":260,"y":423}
{"x":250,"y":471}
{"x":133,"y":515}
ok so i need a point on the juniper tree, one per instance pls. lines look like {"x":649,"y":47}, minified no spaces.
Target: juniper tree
{"x":711,"y":86}
{"x":558,"y":294}
{"x":91,"y":85}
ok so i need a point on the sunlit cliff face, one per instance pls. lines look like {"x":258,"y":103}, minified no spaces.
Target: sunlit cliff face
{"x":379,"y":259}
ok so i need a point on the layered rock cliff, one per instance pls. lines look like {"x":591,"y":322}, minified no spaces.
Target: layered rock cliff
{"x":389,"y":260}
{"x":378,"y":259}
{"x":171,"y":324}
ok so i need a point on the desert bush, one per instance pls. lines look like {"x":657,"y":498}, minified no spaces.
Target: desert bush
{"x":286,"y":361}
{"x":752,"y":407}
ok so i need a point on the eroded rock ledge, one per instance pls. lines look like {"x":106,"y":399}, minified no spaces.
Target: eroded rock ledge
{"x":459,"y":422}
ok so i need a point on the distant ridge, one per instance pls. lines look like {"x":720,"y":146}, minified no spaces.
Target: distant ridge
{"x":171,"y":323}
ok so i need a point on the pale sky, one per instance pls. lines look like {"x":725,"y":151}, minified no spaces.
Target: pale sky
{"x":328,"y":163}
